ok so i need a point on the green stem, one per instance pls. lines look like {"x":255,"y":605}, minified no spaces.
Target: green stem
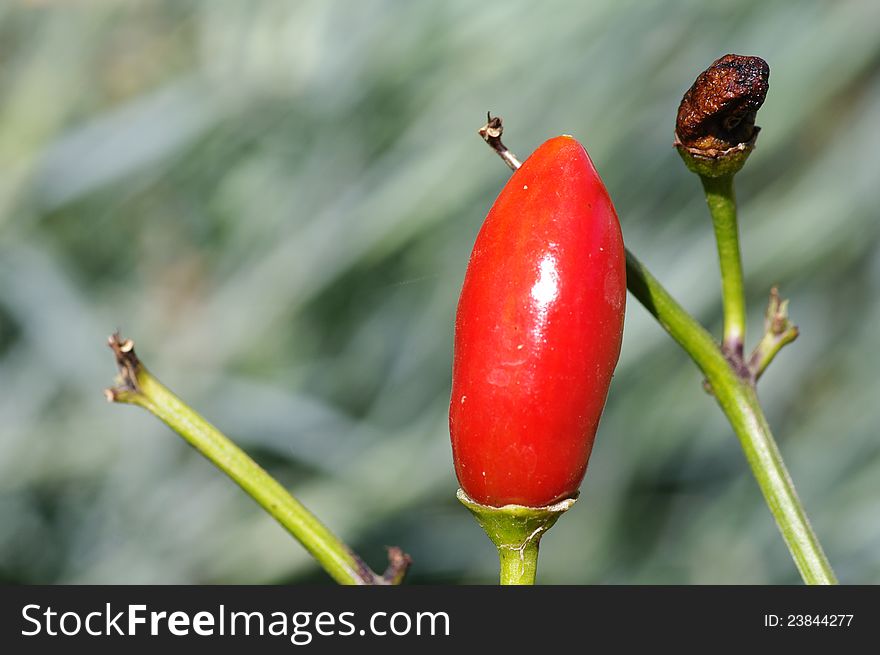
{"x":519,"y":566}
{"x":779,"y":331}
{"x":516,"y":531}
{"x":722,"y":205}
{"x":768,"y":348}
{"x":141,"y":388}
{"x":739,"y":402}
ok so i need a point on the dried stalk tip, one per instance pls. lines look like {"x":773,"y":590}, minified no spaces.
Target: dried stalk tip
{"x":398,"y":565}
{"x":491,"y":133}
{"x":493,"y":129}
{"x":776,"y":320}
{"x":128,"y":364}
{"x":715,"y":129}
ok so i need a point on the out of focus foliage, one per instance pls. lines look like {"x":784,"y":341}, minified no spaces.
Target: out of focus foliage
{"x":277,"y":201}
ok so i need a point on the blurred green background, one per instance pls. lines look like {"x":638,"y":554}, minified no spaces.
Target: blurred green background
{"x":277,"y":201}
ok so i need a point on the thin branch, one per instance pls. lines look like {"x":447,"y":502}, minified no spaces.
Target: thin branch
{"x":137,"y":386}
{"x":779,"y":331}
{"x":722,"y":206}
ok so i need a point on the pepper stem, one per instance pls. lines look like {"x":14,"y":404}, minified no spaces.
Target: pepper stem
{"x":739,"y":402}
{"x":491,"y":133}
{"x":516,"y":531}
{"x":137,"y":386}
{"x":722,"y":205}
{"x":519,"y":566}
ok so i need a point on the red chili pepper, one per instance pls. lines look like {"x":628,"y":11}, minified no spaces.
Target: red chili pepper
{"x":538,"y":332}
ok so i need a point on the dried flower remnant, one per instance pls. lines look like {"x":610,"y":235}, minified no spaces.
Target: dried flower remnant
{"x":718,"y":112}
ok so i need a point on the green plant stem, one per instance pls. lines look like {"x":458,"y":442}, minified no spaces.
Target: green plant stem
{"x":739,"y":402}
{"x":722,"y":206}
{"x":519,"y":566}
{"x":139,"y":387}
{"x":779,"y":331}
{"x":516,"y":531}
{"x":342,"y":565}
{"x":768,"y":348}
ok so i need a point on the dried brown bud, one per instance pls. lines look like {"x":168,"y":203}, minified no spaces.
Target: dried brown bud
{"x":716,"y":117}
